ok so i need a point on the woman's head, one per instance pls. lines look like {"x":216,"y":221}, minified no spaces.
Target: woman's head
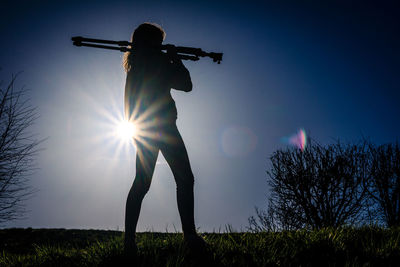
{"x":146,"y":34}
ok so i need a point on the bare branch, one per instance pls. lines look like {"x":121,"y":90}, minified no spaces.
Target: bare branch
{"x":18,"y":150}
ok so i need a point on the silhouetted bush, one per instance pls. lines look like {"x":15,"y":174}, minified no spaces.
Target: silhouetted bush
{"x":18,"y":148}
{"x":384,"y":183}
{"x":316,"y":188}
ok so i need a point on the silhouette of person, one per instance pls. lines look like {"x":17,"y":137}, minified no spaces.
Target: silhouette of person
{"x":151,"y":74}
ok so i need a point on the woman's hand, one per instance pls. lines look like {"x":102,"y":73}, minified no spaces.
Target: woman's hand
{"x":172,"y":54}
{"x":171,"y":50}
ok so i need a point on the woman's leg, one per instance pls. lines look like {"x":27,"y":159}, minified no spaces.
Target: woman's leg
{"x":174,"y":151}
{"x":145,"y":162}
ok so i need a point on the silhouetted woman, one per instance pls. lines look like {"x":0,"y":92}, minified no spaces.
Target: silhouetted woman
{"x":151,"y":74}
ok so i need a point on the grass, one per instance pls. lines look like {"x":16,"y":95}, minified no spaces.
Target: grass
{"x":367,"y":246}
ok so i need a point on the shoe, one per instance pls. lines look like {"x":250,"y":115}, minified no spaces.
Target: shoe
{"x":130,"y":251}
{"x":195,"y":243}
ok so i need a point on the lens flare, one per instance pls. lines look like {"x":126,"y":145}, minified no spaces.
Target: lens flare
{"x":299,"y":139}
{"x":126,"y":130}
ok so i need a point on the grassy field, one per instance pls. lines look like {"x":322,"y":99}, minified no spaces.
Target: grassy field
{"x":368,"y":246}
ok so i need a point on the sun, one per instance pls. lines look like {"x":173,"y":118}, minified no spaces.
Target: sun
{"x":126,"y":130}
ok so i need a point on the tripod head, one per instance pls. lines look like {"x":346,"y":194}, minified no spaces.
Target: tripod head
{"x":183,"y":52}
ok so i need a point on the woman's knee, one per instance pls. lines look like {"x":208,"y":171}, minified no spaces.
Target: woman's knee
{"x":185,"y":180}
{"x":140,"y":187}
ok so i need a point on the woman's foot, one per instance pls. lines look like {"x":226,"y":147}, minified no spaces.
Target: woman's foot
{"x":195,"y":243}
{"x":130,"y":251}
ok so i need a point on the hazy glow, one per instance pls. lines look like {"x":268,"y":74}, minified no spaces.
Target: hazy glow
{"x":237,"y":141}
{"x":299,"y":139}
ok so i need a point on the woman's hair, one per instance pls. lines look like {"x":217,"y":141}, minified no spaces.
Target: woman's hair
{"x":145,"y":33}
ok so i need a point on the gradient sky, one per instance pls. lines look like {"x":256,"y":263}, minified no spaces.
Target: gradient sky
{"x":331,"y":69}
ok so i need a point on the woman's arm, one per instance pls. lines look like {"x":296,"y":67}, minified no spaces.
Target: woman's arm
{"x":180,"y":76}
{"x":180,"y":79}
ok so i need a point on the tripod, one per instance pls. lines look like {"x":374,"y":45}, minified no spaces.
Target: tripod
{"x":185,"y":53}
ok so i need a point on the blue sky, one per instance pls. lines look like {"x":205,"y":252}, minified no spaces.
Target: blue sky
{"x":331,"y":69}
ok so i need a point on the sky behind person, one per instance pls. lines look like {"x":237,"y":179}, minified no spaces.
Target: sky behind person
{"x":329,"y":68}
